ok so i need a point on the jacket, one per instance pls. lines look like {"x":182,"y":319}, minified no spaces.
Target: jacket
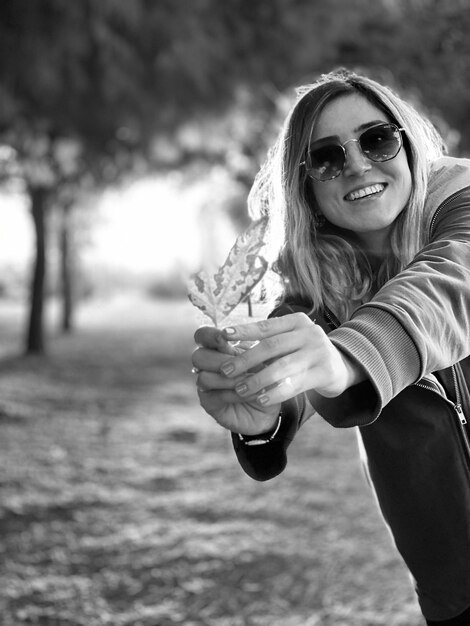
{"x":413,"y":341}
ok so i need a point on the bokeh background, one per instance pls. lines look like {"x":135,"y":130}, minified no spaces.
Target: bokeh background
{"x":130,"y":133}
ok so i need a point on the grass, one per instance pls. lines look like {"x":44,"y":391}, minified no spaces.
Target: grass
{"x":122,"y":502}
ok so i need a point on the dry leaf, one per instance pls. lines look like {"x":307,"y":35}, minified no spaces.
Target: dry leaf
{"x":217,"y":295}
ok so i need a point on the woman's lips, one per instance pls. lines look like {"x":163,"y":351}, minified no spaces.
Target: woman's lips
{"x":365,"y":192}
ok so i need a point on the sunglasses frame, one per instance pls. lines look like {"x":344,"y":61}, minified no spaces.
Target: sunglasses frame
{"x":358,"y":140}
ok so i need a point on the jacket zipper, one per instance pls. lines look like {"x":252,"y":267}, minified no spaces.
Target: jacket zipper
{"x":334,"y":322}
{"x":459,"y":410}
{"x":457,"y":406}
{"x":444,"y":204}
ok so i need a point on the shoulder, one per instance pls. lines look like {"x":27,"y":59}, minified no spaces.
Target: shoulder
{"x":448,"y":168}
{"x":447,"y":175}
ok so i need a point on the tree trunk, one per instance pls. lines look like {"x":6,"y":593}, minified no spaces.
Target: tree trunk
{"x":250,"y":305}
{"x":66,"y":272}
{"x":35,"y":338}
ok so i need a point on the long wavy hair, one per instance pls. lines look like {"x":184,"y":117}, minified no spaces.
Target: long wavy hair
{"x":318,"y":265}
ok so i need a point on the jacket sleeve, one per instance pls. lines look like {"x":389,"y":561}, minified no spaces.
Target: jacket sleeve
{"x":419,"y":322}
{"x":265,"y":461}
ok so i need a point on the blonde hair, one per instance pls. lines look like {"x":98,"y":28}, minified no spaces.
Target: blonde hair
{"x":317,"y":264}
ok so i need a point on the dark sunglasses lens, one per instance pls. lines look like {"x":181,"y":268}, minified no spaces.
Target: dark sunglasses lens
{"x":326,"y":162}
{"x":381,"y":143}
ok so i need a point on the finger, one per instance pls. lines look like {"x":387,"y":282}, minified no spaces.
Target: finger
{"x":207,"y":336}
{"x":256,"y":331}
{"x":275,"y":374}
{"x":244,"y":345}
{"x":205,"y":359}
{"x":264,"y":352}
{"x":214,"y":401}
{"x":286,"y":389}
{"x":211,"y":337}
{"x":210,"y":381}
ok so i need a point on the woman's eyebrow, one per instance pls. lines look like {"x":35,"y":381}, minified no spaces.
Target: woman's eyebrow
{"x":356,"y":130}
{"x":325,"y":139}
{"x":369,"y":125}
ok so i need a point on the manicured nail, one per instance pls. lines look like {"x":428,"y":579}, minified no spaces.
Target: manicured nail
{"x":263,"y":399}
{"x":241,"y":388}
{"x":227,"y":368}
{"x":230,"y":330}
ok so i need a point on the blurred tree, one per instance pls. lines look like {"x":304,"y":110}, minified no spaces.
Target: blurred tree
{"x":89,"y":85}
{"x":71,"y":108}
{"x":421,"y":46}
{"x":416,"y":46}
{"x":92,"y":93}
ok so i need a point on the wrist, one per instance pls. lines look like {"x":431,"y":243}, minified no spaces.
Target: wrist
{"x":354,"y":372}
{"x":262,"y":438}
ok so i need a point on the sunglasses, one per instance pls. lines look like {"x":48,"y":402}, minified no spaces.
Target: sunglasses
{"x":379,"y":143}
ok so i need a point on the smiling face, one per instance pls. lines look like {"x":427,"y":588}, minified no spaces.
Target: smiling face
{"x":367,"y":196}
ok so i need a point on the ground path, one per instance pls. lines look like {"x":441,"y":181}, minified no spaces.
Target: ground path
{"x":121,"y":503}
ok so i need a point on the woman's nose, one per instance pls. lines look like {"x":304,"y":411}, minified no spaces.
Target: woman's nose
{"x":356,"y":162}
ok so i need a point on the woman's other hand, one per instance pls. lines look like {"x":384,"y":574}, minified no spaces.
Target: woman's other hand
{"x":297,"y":356}
{"x":217,"y":394}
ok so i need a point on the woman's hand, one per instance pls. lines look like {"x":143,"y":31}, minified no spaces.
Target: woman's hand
{"x":216,"y":391}
{"x":297,"y":355}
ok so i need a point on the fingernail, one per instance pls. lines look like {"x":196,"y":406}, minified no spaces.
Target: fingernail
{"x":263,"y":399}
{"x":227,"y":368}
{"x":241,"y":388}
{"x":230,"y":330}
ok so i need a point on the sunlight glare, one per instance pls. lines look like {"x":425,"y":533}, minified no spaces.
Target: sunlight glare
{"x":145,"y":229}
{"x":156,"y":225}
{"x":16,"y":230}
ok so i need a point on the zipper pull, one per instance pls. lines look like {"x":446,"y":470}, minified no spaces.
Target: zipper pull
{"x":460,"y":413}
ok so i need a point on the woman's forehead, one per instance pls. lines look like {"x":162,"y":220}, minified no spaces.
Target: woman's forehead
{"x":345,"y":115}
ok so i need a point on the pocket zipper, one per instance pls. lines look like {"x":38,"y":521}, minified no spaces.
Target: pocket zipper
{"x":457,"y":406}
{"x":459,"y":410}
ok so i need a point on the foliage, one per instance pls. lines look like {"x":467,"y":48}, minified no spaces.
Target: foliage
{"x":423,"y":48}
{"x":71,"y":111}
{"x":71,"y":92}
{"x":93,"y":93}
{"x":111,"y":78}
{"x":416,"y":46}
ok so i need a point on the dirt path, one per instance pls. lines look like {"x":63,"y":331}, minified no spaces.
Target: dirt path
{"x":122,"y":503}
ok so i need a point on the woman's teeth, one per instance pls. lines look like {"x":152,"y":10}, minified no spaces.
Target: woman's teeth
{"x":365,"y":191}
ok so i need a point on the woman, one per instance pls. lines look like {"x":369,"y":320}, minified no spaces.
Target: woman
{"x":374,"y":325}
